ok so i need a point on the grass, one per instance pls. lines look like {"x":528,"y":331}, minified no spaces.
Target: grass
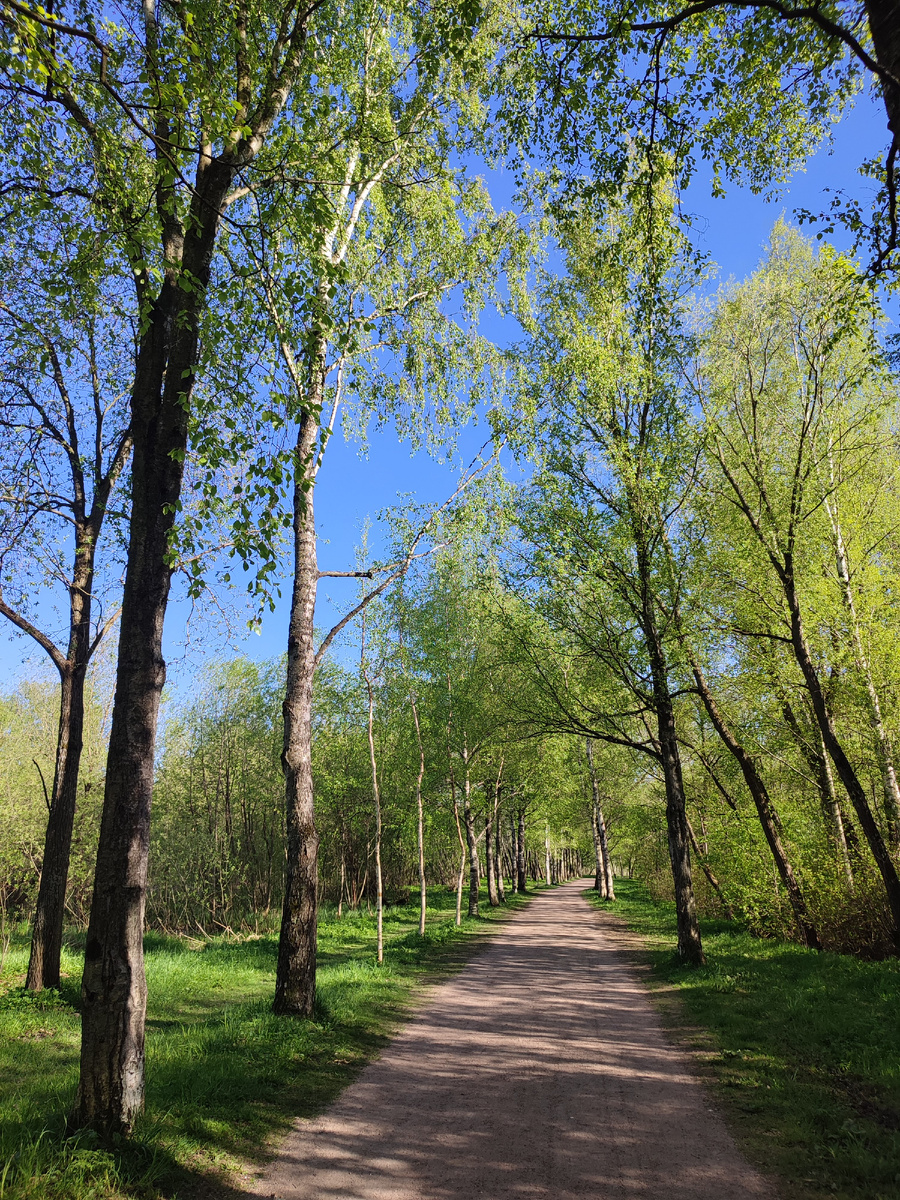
{"x":225,"y":1077}
{"x":802,"y":1048}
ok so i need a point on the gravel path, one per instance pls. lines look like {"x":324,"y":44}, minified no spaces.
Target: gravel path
{"x":539,"y":1072}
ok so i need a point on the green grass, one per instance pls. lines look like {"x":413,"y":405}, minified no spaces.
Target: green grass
{"x":225,"y":1077}
{"x":802,"y":1048}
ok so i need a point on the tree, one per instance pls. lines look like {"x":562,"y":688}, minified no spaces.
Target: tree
{"x":358,"y":295}
{"x":795,"y":383}
{"x":67,"y":440}
{"x":752,"y":87}
{"x":616,"y":459}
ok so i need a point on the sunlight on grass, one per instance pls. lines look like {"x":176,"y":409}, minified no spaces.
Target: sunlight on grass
{"x":225,"y":1076}
{"x":805,"y":1049}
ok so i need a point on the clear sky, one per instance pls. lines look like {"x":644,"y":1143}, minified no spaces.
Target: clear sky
{"x":354,"y":486}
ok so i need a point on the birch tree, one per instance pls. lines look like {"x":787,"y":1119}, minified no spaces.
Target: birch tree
{"x":371,"y":304}
{"x":615,"y":464}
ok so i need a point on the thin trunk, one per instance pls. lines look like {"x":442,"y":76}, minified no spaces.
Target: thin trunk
{"x":883,"y":750}
{"x":462,"y":859}
{"x":607,"y":860}
{"x":514,"y":854}
{"x":340,"y":908}
{"x":493,"y":897}
{"x":47,"y":932}
{"x":295,"y":977}
{"x":707,"y":871}
{"x":548,"y":878}
{"x":521,"y":881}
{"x":600,"y":873}
{"x":819,"y":763}
{"x":471,"y":839}
{"x":836,"y":752}
{"x":49,"y":917}
{"x":420,"y":818}
{"x":834,"y":810}
{"x":498,"y":849}
{"x":376,"y":795}
{"x":768,"y":818}
{"x":462,"y":845}
{"x":690,"y":947}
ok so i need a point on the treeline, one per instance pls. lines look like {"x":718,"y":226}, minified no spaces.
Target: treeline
{"x":706,"y":565}
{"x":496,"y":812}
{"x":219,"y":846}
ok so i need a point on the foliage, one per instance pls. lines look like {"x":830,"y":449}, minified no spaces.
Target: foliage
{"x":28,"y":728}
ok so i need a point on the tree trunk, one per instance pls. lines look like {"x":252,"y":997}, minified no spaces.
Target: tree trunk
{"x":883,"y":749}
{"x":885,"y":29}
{"x":690,"y":947}
{"x":607,"y":860}
{"x":471,"y":839}
{"x":600,"y":884}
{"x":819,"y":763}
{"x":548,"y":878}
{"x":768,"y":818}
{"x":490,"y":863}
{"x":420,"y":818}
{"x":521,"y":878}
{"x":834,"y":811}
{"x":498,"y":846}
{"x":462,"y":851}
{"x":295,"y":976}
{"x":114,"y":993}
{"x":498,"y":851}
{"x":514,"y":854}
{"x":836,"y":752}
{"x":707,"y":871}
{"x":376,"y":796}
{"x":47,"y":932}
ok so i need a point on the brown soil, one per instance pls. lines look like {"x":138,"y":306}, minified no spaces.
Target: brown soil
{"x":539,"y":1072}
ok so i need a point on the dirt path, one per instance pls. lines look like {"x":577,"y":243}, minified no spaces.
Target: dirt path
{"x":539,"y":1072}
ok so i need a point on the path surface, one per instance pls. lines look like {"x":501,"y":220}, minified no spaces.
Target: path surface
{"x":540,"y":1072}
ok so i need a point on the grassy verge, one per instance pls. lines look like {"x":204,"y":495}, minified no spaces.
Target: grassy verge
{"x":225,"y":1077}
{"x":802,"y":1048}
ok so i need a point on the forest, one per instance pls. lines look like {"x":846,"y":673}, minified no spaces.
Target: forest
{"x":649,"y":635}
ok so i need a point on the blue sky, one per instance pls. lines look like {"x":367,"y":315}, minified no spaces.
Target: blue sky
{"x":355,"y":485}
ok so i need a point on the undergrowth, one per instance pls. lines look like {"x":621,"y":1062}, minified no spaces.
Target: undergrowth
{"x":803,"y":1048}
{"x":225,"y":1076}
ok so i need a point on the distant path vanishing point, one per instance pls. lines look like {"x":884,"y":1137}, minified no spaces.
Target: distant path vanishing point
{"x":539,"y":1072}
